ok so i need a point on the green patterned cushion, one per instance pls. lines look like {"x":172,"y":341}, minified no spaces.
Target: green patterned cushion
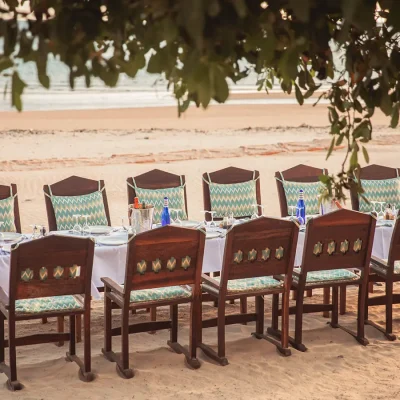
{"x":47,"y":304}
{"x":311,"y":194}
{"x":160,"y":294}
{"x":333,"y":275}
{"x":89,"y":204}
{"x":383,"y":269}
{"x":251,"y":284}
{"x":236,"y":198}
{"x":387,"y":190}
{"x":7,"y":215}
{"x":155,"y":197}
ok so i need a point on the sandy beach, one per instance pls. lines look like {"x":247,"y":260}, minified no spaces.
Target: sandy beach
{"x":43,"y":147}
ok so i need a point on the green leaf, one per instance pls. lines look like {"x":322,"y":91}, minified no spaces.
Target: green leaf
{"x":354,"y":159}
{"x":17,"y":88}
{"x":331,"y":147}
{"x":340,"y":139}
{"x":363,"y":130}
{"x":220,"y":85}
{"x":333,"y":115}
{"x":366,"y":156}
{"x":155,"y":65}
{"x":386,"y":103}
{"x":299,"y":95}
{"x":395,"y":116}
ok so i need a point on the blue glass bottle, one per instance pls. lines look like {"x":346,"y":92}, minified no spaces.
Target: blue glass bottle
{"x":301,"y":208}
{"x":165,"y":217}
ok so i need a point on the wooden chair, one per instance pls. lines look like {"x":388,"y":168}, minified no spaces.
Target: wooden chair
{"x":372,"y":172}
{"x":299,"y":173}
{"x":307,"y":174}
{"x":48,"y":278}
{"x":226,"y":176}
{"x":158,"y":263}
{"x":334,"y":243}
{"x":155,"y":179}
{"x":7,"y":191}
{"x":387,"y":271}
{"x":255,"y":253}
{"x":72,"y":186}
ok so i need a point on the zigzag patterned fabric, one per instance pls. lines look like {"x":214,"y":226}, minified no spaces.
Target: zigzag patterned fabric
{"x":236,"y":198}
{"x":7,"y":215}
{"x":387,"y":190}
{"x":311,"y":192}
{"x":89,"y":204}
{"x":47,"y":304}
{"x":155,"y":197}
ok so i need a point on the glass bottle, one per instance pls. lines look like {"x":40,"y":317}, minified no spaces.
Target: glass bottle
{"x":165,"y":217}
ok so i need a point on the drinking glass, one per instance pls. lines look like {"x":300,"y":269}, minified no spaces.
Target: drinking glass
{"x":211,"y":223}
{"x":77,"y":228}
{"x":395,"y":211}
{"x":373,"y":206}
{"x":34,"y":231}
{"x":86,"y":227}
{"x":178,"y":221}
{"x":292,"y":209}
{"x":381,"y":213}
{"x":231,"y":219}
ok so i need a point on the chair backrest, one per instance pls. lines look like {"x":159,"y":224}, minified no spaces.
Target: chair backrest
{"x":153,"y":180}
{"x":299,"y":173}
{"x":260,"y":247}
{"x":338,"y":240}
{"x":228,"y":176}
{"x":51,"y":266}
{"x":165,"y":256}
{"x":6,"y":192}
{"x":73,"y":186}
{"x":370,"y":173}
{"x":394,"y":249}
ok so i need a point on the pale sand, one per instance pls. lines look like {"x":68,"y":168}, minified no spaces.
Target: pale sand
{"x":115,"y":144}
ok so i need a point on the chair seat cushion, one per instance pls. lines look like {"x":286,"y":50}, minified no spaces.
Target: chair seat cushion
{"x":7,"y":215}
{"x":251,"y":284}
{"x":160,"y":294}
{"x":383,"y":268}
{"x":47,"y":304}
{"x":328,"y":276}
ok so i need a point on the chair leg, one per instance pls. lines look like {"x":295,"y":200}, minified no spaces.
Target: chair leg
{"x":362,"y":296}
{"x":2,"y":337}
{"x":123,"y":366}
{"x":275,"y":312}
{"x":335,"y":307}
{"x":78,"y":328}
{"x":327,"y":295}
{"x":284,"y":323}
{"x":299,"y":322}
{"x":260,"y":315}
{"x":389,"y":307}
{"x":343,"y":293}
{"x":174,"y":321}
{"x":309,"y":292}
{"x":107,"y":349}
{"x":221,"y":332}
{"x":195,"y":310}
{"x":12,"y":382}
{"x":153,"y":317}
{"x":243,"y":307}
{"x":72,"y":333}
{"x":60,"y":329}
{"x":86,"y":373}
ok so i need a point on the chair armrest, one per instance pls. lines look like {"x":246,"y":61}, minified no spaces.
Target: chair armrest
{"x":108,"y":282}
{"x":378,"y":261}
{"x":209,"y":281}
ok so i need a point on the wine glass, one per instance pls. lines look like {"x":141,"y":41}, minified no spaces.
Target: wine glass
{"x":394,"y":211}
{"x":178,"y":221}
{"x":292,"y":209}
{"x":86,"y":227}
{"x":381,"y":214}
{"x":255,"y":213}
{"x":373,"y":206}
{"x":212,"y":223}
{"x":298,"y":215}
{"x":77,"y":228}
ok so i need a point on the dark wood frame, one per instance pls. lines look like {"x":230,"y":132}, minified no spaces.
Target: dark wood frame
{"x":161,"y":243}
{"x":156,"y":179}
{"x":256,"y":234}
{"x":371,"y":172}
{"x":5,"y":192}
{"x":337,"y":226}
{"x":49,"y":251}
{"x":228,"y":176}
{"x":73,"y":186}
{"x":388,"y":278}
{"x":299,"y":173}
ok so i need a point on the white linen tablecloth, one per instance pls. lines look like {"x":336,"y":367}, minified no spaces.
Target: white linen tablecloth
{"x":109,"y":261}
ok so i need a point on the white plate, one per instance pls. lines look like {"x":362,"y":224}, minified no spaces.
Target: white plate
{"x":10,"y":236}
{"x":117,"y":240}
{"x":100,"y":229}
{"x":385,"y":222}
{"x":188,"y":224}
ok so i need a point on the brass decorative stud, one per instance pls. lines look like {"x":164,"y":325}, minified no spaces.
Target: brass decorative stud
{"x":156,"y":265}
{"x":141,"y":267}
{"x":238,"y":257}
{"x":279,"y":253}
{"x":344,"y":247}
{"x":317,"y":249}
{"x":266,"y":254}
{"x":186,"y":262}
{"x":331,"y":247}
{"x":171,"y":264}
{"x":252,"y":255}
{"x":357,"y":245}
